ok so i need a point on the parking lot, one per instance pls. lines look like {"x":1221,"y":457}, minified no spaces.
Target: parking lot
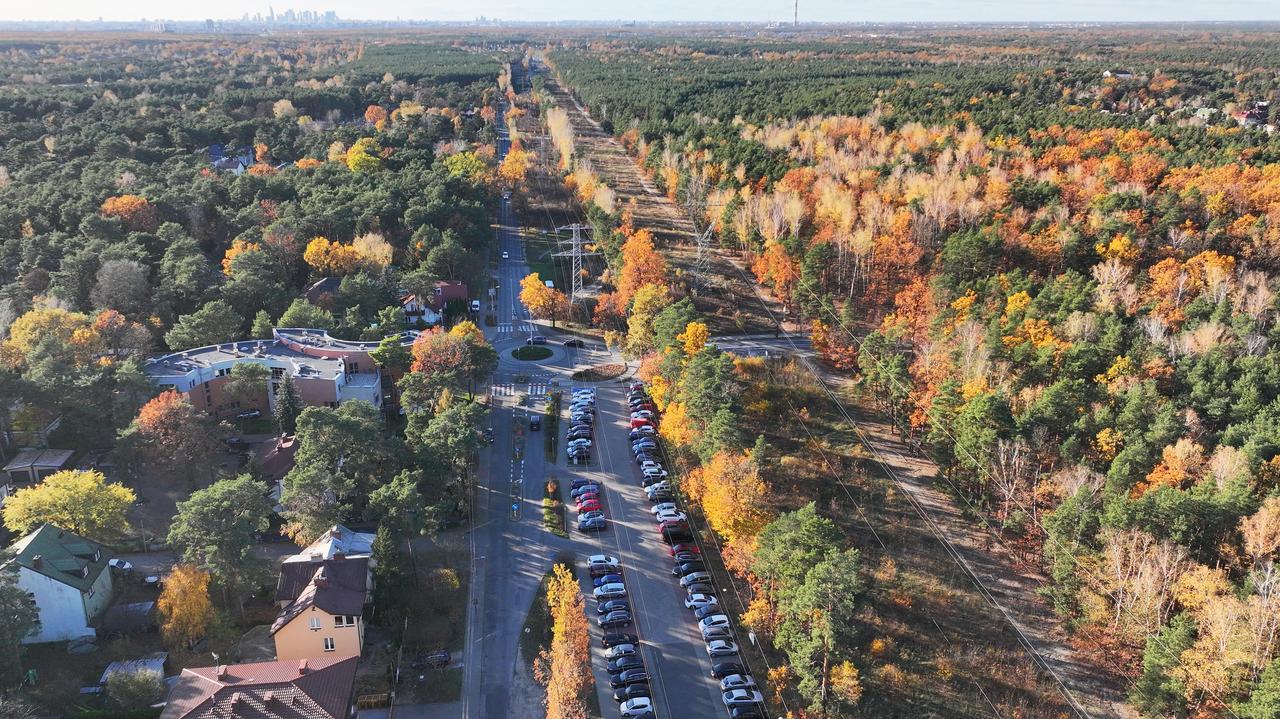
{"x":671,"y":646}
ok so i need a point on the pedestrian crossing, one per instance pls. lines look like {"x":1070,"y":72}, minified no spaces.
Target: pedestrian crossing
{"x":521,"y":328}
{"x":510,"y":389}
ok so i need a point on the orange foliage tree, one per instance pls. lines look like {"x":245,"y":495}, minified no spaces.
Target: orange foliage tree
{"x":329,"y":257}
{"x":641,"y":265}
{"x":176,"y":436}
{"x":565,"y":667}
{"x":134,"y":211}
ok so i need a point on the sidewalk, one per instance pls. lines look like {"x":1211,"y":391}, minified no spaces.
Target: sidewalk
{"x":445,"y":710}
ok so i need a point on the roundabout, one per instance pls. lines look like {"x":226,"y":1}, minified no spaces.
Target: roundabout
{"x":532,"y":353}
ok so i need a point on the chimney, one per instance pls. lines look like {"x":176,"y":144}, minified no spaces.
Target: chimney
{"x":221,"y":671}
{"x":302,"y":666}
{"x":37,"y":561}
{"x":321,"y":580}
{"x":269,"y":697}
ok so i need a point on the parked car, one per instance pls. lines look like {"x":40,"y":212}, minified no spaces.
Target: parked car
{"x":603,"y":561}
{"x":676,"y":536}
{"x":631,"y":676}
{"x":620,"y":650}
{"x":630,"y":692}
{"x":642,"y":414}
{"x":739,"y":697}
{"x":579,"y":434}
{"x":614,"y":639}
{"x":721,"y":648}
{"x":595,"y":514}
{"x":616,"y":590}
{"x":703,"y":612}
{"x":120,"y":565}
{"x":709,"y":633}
{"x":637,"y":423}
{"x":613,"y":605}
{"x":685,"y":548}
{"x":661,"y":486}
{"x":575,"y":343}
{"x":597,"y":524}
{"x":720,"y":670}
{"x":672,"y":517}
{"x":699,"y":588}
{"x":715,"y":620}
{"x":591,"y":505}
{"x":580,"y":442}
{"x":580,"y":481}
{"x":687,"y":568}
{"x":661,"y":497}
{"x":748,"y":711}
{"x":636,"y":707}
{"x":621,"y":664}
{"x":606,"y":579}
{"x":536,"y":340}
{"x":664,"y":507}
{"x":682,"y":557}
{"x":737,"y":681}
{"x":614,"y":620}
{"x":584,"y":489}
{"x":695,"y":578}
{"x":698,"y":601}
{"x":251,"y":414}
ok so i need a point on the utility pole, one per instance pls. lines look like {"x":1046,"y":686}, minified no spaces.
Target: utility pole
{"x":573,"y":249}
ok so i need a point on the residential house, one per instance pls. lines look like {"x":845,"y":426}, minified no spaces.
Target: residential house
{"x":68,"y":578}
{"x":319,"y":688}
{"x":30,"y":465}
{"x":430,"y":310}
{"x":1118,"y":74}
{"x":337,"y":542}
{"x":323,"y":292}
{"x":324,"y":603}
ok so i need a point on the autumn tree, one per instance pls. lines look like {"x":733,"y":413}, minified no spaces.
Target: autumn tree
{"x":565,"y":667}
{"x":134,"y":211}
{"x":176,"y":436}
{"x":364,"y":156}
{"x":641,"y":265}
{"x":543,"y":302}
{"x":184,"y":605}
{"x":79,"y":501}
{"x":515,"y":166}
{"x":331,"y":258}
{"x":216,"y":529}
{"x":68,"y":334}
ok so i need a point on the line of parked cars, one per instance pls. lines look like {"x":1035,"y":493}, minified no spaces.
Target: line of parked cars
{"x":738,"y":690}
{"x":584,"y":493}
{"x":627,"y":674}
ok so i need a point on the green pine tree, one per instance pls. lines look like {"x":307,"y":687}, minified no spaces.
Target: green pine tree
{"x":288,"y":406}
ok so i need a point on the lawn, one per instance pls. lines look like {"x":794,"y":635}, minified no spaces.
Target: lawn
{"x":531,"y":353}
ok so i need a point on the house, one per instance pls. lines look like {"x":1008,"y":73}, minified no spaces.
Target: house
{"x":337,"y":542}
{"x":31,"y":465}
{"x":326,"y":371}
{"x":1255,"y":116}
{"x":323,"y":292}
{"x":68,"y":578}
{"x":324,"y":602}
{"x":431,"y":309}
{"x":1118,"y":74}
{"x":318,"y":688}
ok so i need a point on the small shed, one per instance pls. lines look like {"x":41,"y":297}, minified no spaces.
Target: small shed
{"x":152,"y":662}
{"x":32,"y":465}
{"x":127,"y":618}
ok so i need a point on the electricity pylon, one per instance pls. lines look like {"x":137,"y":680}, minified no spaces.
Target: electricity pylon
{"x":573,"y":249}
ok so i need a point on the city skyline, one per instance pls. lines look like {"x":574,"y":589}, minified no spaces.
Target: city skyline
{"x":829,"y":11}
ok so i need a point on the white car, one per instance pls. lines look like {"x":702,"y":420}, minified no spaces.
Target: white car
{"x":642,"y":414}
{"x":619,"y":650}
{"x":670,"y":517}
{"x":506,"y":255}
{"x":602,"y":561}
{"x":698,"y":601}
{"x":636,"y":707}
{"x":663,"y":507}
{"x":650,"y":464}
{"x":695,"y":578}
{"x":737,"y":681}
{"x":614,"y":590}
{"x":721,"y":648}
{"x":120,"y":565}
{"x":655,"y":472}
{"x":715,"y":620}
{"x":584,"y":442}
{"x":742,"y":697}
{"x":657,"y":487}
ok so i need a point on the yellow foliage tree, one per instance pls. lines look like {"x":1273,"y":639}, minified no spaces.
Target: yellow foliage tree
{"x":79,"y":501}
{"x":373,"y":250}
{"x":185,"y":608}
{"x":565,"y":667}
{"x":677,"y":426}
{"x":515,"y":166}
{"x":694,"y":338}
{"x":731,"y":493}
{"x":329,"y":257}
{"x":70,"y":331}
{"x":543,"y":302}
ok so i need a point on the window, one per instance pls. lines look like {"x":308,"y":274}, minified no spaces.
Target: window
{"x":315,"y":624}
{"x":328,"y":644}
{"x":347,"y":620}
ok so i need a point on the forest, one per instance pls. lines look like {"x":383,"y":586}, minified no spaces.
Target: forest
{"x":1050,"y":261}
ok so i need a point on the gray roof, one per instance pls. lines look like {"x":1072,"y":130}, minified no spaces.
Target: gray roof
{"x":66,"y":557}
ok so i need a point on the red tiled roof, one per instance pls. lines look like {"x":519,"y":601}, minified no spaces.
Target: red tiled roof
{"x":306,"y":689}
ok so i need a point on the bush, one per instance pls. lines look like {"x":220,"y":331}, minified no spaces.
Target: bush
{"x":135,"y":690}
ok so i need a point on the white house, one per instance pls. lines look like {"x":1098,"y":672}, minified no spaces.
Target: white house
{"x":68,"y":578}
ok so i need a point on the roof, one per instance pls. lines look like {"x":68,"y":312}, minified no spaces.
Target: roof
{"x":276,"y":457}
{"x":26,"y":459}
{"x":307,"y":689}
{"x":339,"y":540}
{"x":315,"y":294}
{"x":446,"y":290}
{"x":270,"y":352}
{"x":128,"y":617}
{"x":335,"y":586}
{"x":150,"y":663}
{"x":57,"y":554}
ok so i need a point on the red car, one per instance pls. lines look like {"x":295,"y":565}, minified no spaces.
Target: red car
{"x":587,"y":497}
{"x":672,"y":527}
{"x":638,"y":422}
{"x":685,"y":548}
{"x":592,"y":505}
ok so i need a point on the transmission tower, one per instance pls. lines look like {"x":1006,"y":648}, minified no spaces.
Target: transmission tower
{"x":573,"y":249}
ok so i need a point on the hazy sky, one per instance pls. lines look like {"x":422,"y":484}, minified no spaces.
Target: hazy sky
{"x":746,"y":10}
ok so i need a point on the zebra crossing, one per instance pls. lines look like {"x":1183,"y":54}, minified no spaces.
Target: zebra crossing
{"x":511,"y":389}
{"x":525,"y":328}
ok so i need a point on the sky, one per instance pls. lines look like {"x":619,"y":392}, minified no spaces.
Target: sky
{"x":664,"y":10}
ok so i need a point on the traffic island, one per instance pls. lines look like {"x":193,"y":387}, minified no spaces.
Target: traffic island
{"x":531,"y":353}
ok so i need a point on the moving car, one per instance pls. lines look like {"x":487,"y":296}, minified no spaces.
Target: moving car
{"x":536,"y":340}
{"x":740,"y":697}
{"x":610,"y":591}
{"x":636,"y":707}
{"x":475,"y":305}
{"x":575,"y":343}
{"x":630,"y":676}
{"x":506,"y":255}
{"x":721,"y":648}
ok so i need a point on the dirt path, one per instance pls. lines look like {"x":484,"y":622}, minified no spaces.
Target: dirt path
{"x":1095,"y":691}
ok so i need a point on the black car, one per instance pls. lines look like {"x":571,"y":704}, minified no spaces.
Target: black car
{"x":235,"y":443}
{"x":433,"y":660}
{"x":686,"y":556}
{"x":622,"y":664}
{"x":580,"y":481}
{"x":687,"y":568}
{"x":676,"y":537}
{"x":613,"y":605}
{"x":630,"y":676}
{"x":631,"y":692}
{"x":700,"y":589}
{"x":720,"y":670}
{"x":577,"y":343}
{"x":747,"y":712}
{"x":614,"y":639}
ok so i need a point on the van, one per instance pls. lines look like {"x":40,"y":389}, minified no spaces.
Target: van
{"x":475,"y":305}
